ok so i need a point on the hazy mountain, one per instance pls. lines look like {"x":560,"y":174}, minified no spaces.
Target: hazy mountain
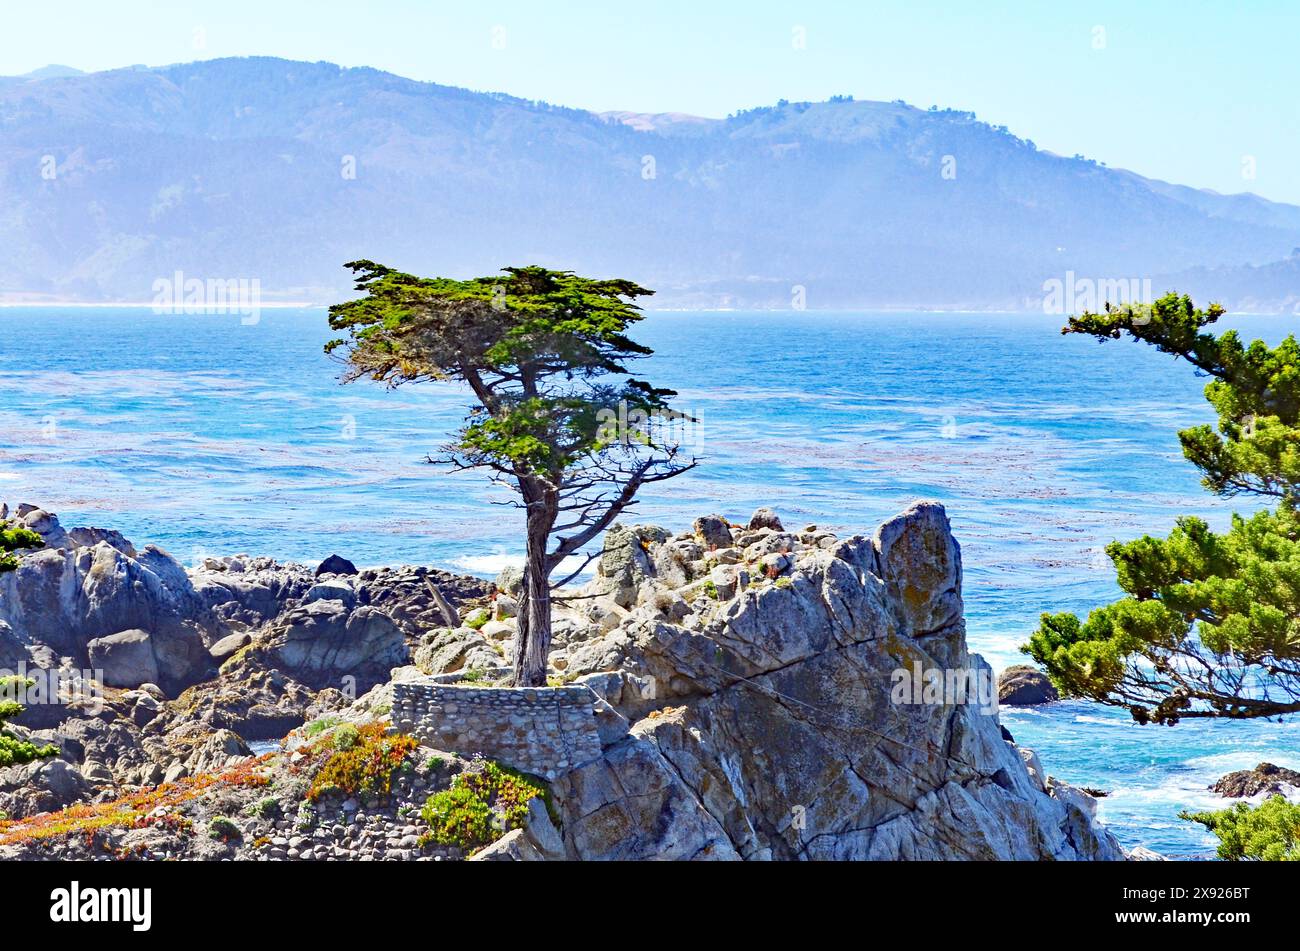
{"x":53,"y":71}
{"x":1268,"y":288}
{"x":240,"y":169}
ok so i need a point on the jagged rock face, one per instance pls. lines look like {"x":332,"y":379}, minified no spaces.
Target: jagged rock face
{"x":774,"y":731}
{"x":323,"y":641}
{"x":244,"y":644}
{"x":64,"y":599}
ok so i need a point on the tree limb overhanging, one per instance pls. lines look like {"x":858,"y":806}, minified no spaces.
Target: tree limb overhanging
{"x":1210,"y":627}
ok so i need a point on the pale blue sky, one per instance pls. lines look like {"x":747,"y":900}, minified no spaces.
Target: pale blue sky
{"x":1183,"y":90}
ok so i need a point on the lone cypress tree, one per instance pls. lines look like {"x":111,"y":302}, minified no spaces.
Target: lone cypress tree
{"x":1210,"y":626}
{"x":538,"y":349}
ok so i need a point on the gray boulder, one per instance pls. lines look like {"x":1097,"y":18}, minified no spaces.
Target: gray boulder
{"x":145,"y":710}
{"x":182,"y":658}
{"x":126,"y":658}
{"x":625,"y":564}
{"x":46,"y":525}
{"x":920,"y":563}
{"x":765,"y":518}
{"x":714,"y":531}
{"x":451,"y":650}
{"x":332,"y":590}
{"x":228,"y":646}
{"x":511,"y":581}
{"x":1023,"y":686}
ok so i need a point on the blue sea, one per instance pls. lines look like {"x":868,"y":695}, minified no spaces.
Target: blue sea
{"x":210,"y":436}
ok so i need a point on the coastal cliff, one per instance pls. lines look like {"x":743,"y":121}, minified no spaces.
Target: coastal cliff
{"x":725,"y":692}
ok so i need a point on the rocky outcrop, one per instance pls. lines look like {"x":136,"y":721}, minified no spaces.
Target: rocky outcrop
{"x":1023,"y":686}
{"x":65,"y":597}
{"x":1264,"y":779}
{"x":763,"y":694}
{"x":767,"y":724}
{"x":41,"y":786}
{"x":158,"y":657}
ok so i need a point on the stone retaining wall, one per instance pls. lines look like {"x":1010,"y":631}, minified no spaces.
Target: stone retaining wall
{"x":545,"y":731}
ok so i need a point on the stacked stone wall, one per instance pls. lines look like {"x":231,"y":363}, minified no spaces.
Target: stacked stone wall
{"x":545,"y":731}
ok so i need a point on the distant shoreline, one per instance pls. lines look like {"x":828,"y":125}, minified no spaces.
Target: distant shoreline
{"x":150,"y":305}
{"x":306,"y":305}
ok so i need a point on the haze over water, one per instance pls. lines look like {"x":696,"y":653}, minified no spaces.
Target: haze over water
{"x":207,"y":437}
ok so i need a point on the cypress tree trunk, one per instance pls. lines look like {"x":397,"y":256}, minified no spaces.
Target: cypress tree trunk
{"x":533,"y":633}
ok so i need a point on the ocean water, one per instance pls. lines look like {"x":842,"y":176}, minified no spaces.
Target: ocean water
{"x":208,"y":436}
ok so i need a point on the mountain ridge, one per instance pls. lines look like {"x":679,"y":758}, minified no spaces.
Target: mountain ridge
{"x":240,"y":167}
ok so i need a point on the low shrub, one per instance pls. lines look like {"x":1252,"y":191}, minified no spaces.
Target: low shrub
{"x":346,"y":736}
{"x":266,"y":808}
{"x":223,"y":829}
{"x":319,"y":726}
{"x":367,"y":766}
{"x":484,"y":802}
{"x":13,"y":751}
